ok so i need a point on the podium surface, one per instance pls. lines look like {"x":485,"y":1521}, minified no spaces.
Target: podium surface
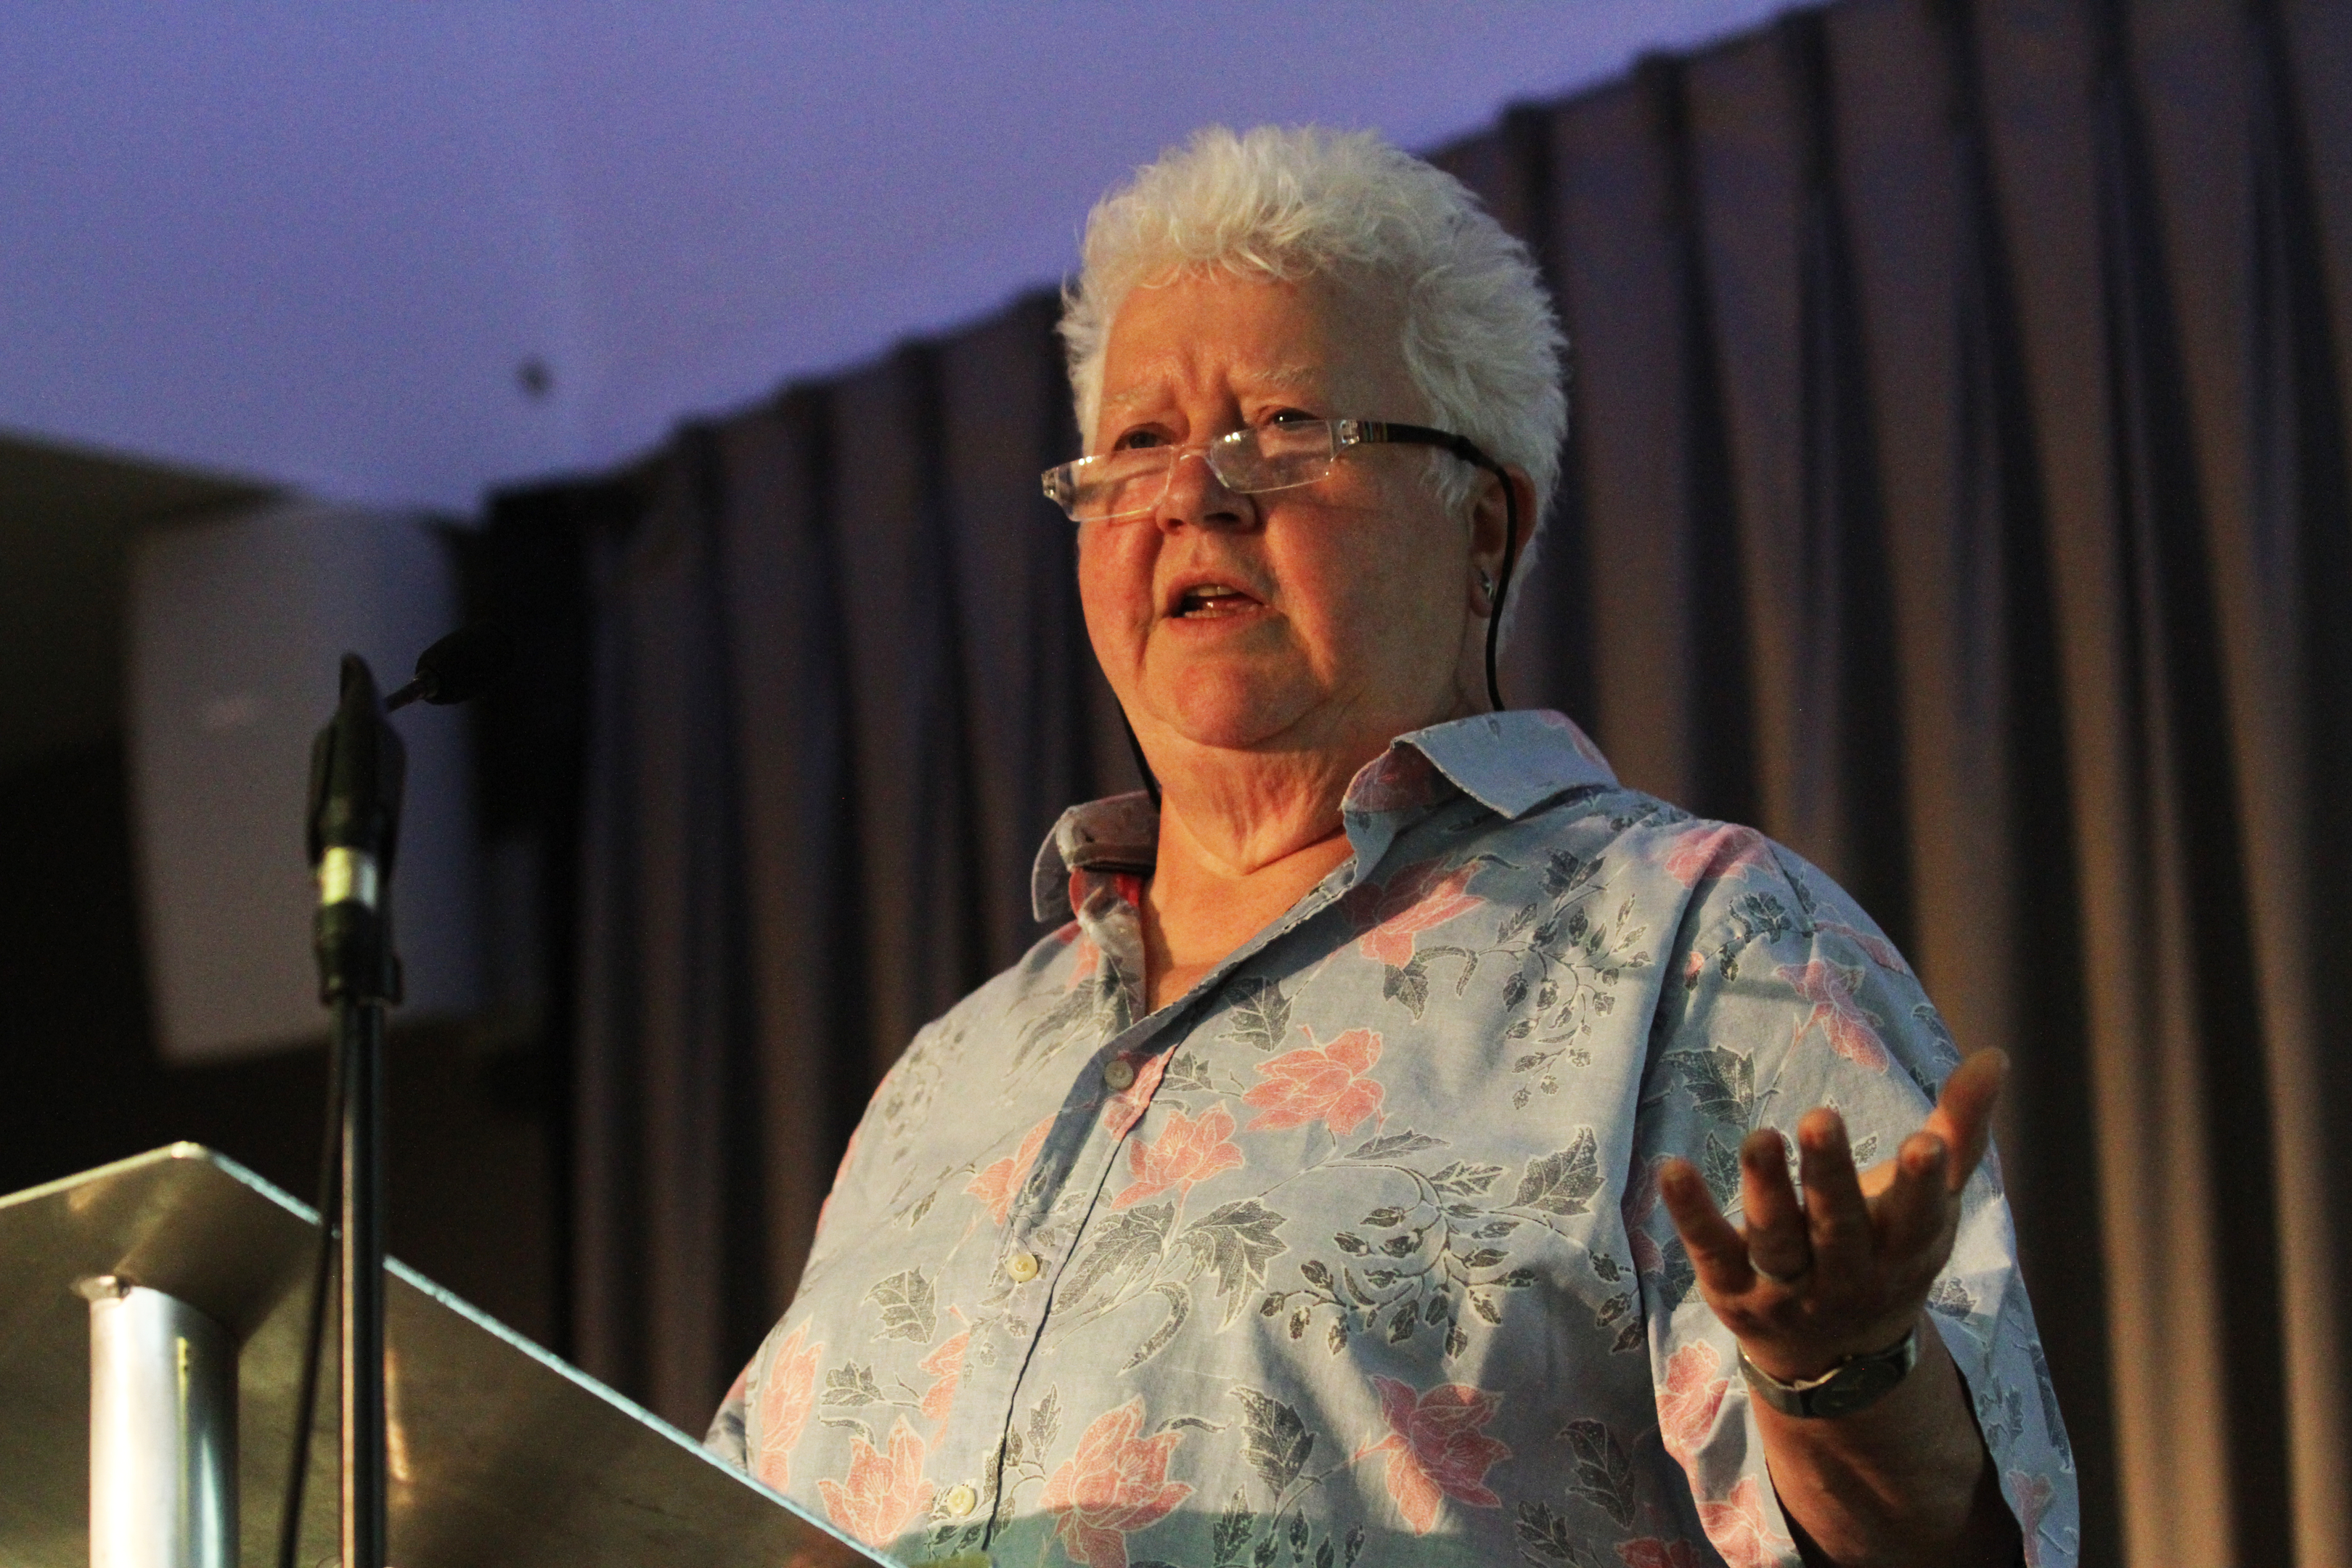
{"x":498,"y":1453}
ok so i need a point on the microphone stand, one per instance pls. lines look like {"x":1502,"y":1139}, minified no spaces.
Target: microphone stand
{"x":358,"y":766}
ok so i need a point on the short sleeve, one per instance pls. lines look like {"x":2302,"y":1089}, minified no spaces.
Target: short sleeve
{"x":1781,"y":996}
{"x":725,"y":1437}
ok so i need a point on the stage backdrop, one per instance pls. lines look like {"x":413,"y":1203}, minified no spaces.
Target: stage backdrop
{"x":1957,"y":490}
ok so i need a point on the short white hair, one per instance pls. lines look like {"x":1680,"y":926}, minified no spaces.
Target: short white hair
{"x":1482,"y":342}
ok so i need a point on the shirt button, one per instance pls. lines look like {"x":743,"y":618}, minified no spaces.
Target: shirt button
{"x":1022,"y":1267}
{"x":1119,"y":1073}
{"x":961,"y":1499}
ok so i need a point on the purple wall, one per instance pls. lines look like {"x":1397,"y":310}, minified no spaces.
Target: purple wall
{"x":313,"y":245}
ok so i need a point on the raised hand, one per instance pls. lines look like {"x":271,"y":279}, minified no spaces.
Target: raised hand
{"x":1844,"y":1270}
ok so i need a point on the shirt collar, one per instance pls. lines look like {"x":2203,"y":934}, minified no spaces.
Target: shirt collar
{"x":1509,"y":763}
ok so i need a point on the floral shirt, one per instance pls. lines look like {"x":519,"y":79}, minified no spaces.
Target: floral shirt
{"x":1353,"y":1254}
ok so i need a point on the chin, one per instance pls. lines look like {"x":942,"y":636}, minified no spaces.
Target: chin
{"x":1235,"y":714}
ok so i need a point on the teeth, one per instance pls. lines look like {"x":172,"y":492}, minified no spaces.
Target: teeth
{"x":1209,"y":598}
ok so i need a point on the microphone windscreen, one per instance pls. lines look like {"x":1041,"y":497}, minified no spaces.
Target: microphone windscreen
{"x":461,"y":665}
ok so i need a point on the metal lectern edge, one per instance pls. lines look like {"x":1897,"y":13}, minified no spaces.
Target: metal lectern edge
{"x":465,"y":1309}
{"x":302,"y":1212}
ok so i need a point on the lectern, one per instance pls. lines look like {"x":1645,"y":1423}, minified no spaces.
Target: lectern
{"x":151,"y":1341}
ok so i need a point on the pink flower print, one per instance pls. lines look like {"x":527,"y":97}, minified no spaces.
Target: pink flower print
{"x":1713,"y":850}
{"x":1094,"y":890}
{"x":996,"y":1184}
{"x":945,"y":1364}
{"x":1640,"y":1202}
{"x":1414,"y":900}
{"x":1187,"y":1151}
{"x":1122,"y":1111}
{"x":1397,"y":780}
{"x":1116,"y":1485}
{"x":1691,"y":1401}
{"x":2033,"y":1494}
{"x":881,"y":1496}
{"x":785,"y":1395}
{"x":1739,"y":1529}
{"x":1086,"y":957}
{"x":1880,"y":951}
{"x":1323,"y":1083}
{"x":1435,"y":1449}
{"x":1852,"y":1031}
{"x":1576,"y":736}
{"x":1656,"y":1553}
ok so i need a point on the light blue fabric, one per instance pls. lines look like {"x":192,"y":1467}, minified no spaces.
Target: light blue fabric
{"x":1354,"y":1255}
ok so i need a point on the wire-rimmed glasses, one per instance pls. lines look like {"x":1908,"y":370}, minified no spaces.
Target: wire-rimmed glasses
{"x":1250,"y":461}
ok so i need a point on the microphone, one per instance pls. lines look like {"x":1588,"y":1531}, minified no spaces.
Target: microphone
{"x":458,"y":667}
{"x":357,"y":772}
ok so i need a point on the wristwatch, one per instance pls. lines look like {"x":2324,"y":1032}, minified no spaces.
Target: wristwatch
{"x":1854,"y":1383}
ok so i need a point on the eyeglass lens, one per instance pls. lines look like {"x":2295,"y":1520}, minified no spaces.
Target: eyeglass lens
{"x":1129,"y":482}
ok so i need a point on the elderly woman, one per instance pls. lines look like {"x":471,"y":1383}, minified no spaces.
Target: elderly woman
{"x":1344,"y":1182}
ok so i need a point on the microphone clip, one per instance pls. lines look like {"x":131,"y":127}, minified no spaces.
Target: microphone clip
{"x":358,"y":770}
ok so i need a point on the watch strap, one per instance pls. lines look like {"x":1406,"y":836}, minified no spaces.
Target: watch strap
{"x":1854,"y":1383}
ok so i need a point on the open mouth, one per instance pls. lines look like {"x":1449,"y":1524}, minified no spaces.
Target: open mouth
{"x":1211,"y":601}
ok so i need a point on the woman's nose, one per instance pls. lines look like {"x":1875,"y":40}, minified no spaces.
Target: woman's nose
{"x":1195,"y":497}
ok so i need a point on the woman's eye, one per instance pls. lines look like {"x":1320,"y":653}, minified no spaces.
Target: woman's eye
{"x":1291,"y":417}
{"x":1135,"y":438}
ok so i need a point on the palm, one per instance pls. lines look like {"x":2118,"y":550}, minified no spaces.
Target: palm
{"x":1847,"y":1267}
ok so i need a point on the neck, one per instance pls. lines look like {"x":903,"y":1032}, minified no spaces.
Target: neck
{"x":1243,"y":836}
{"x":1224,"y":871}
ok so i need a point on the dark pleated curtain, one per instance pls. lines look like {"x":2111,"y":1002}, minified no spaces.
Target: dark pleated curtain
{"x":1958,"y":490}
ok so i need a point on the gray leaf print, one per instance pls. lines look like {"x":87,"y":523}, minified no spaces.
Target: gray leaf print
{"x":1544,"y":1538}
{"x":1604,"y":1472}
{"x":909,"y":1309}
{"x":1462,"y":1177}
{"x":1046,"y":1421}
{"x":1260,"y":1015}
{"x":1720,"y":1167}
{"x":1274,"y":1440}
{"x":1126,"y":1247}
{"x":1564,"y":1183}
{"x":1722,"y":1081}
{"x":1187,"y":1071}
{"x":1236,"y":1243}
{"x":1389,"y":1145}
{"x":1409,"y":984}
{"x":1235,"y":1527}
{"x":851,"y":1385}
{"x":1050,"y":1030}
{"x":1951,"y":1298}
{"x":1180,"y":1307}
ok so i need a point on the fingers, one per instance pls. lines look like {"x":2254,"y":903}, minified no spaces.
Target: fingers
{"x":1963,"y":1116}
{"x":1717,"y":1251}
{"x":1777,"y":1240}
{"x":1915,"y":1214}
{"x":1837,"y":1221}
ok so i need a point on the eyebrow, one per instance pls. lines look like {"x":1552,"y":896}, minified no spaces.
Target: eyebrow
{"x":1288,"y":375}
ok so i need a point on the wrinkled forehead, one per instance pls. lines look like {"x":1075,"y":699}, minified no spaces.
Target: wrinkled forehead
{"x":1217,"y":334}
{"x":1148,"y":379}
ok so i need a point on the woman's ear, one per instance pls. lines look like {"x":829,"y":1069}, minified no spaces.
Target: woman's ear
{"x":1489,"y":523}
